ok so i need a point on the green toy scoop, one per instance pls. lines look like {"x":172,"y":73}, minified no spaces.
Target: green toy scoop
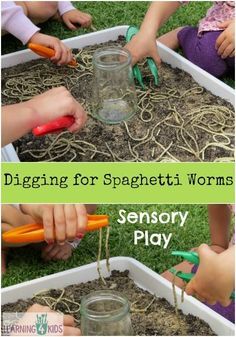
{"x":131,"y":31}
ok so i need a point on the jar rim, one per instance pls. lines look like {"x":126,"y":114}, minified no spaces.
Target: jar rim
{"x":104,"y":294}
{"x":105,"y":51}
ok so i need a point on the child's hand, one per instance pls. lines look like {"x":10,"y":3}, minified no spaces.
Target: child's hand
{"x":142,"y":46}
{"x":75,"y":17}
{"x":214,"y":280}
{"x":57,"y":252}
{"x":63,"y":54}
{"x":68,"y":320}
{"x":55,"y":103}
{"x":61,"y":222}
{"x":225,"y":44}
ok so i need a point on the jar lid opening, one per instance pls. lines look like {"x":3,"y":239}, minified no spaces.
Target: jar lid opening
{"x":111,"y":58}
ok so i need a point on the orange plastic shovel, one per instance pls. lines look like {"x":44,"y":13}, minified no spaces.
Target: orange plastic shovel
{"x":35,"y":232}
{"x":46,"y":52}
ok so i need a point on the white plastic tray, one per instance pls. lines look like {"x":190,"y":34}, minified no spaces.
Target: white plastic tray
{"x":206,"y":80}
{"x":142,"y":276}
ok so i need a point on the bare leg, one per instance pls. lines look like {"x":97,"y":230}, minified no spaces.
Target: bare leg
{"x":38,"y":11}
{"x":170,"y":39}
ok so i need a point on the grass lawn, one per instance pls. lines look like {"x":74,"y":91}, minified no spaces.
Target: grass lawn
{"x":25,"y":263}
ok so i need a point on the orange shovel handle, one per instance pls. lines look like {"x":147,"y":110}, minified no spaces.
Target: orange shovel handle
{"x":46,"y":52}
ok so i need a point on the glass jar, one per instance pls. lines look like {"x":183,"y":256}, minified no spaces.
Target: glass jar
{"x":114,"y":95}
{"x":105,"y":313}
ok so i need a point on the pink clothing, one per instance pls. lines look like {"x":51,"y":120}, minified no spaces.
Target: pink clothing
{"x":64,"y":6}
{"x":15,"y":22}
{"x":221,"y":11}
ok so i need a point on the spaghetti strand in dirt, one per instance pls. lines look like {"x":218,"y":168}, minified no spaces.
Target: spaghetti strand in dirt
{"x":199,"y":127}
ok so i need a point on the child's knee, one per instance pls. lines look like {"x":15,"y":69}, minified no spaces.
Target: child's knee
{"x":51,"y":7}
{"x":211,"y":62}
{"x":39,"y":11}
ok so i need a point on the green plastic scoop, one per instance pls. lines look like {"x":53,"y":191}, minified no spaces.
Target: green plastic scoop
{"x":131,"y":31}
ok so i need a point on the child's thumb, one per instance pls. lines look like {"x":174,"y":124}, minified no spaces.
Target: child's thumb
{"x":204,"y":251}
{"x":70,"y":25}
{"x":156,"y":58}
{"x":190,"y":289}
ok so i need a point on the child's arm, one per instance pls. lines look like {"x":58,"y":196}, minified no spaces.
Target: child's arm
{"x":15,"y":22}
{"x":144,"y":43}
{"x":66,"y":221}
{"x":219,"y":222}
{"x":19,"y":119}
{"x":214,"y":280}
{"x":72,"y":17}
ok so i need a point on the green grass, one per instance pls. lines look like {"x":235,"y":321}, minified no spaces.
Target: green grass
{"x":108,"y":14}
{"x":25,"y":263}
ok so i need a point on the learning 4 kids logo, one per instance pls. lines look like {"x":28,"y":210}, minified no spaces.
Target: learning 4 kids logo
{"x":32,"y":324}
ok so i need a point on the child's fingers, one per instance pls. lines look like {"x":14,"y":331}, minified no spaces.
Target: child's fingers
{"x":222,"y":47}
{"x":45,"y":254}
{"x":224,"y":24}
{"x":48,"y":224}
{"x":58,"y":51}
{"x":71,"y":221}
{"x":225,"y":303}
{"x":47,"y":249}
{"x":211,"y":301}
{"x":62,"y":256}
{"x":200,"y":298}
{"x":190,"y":289}
{"x":39,"y":308}
{"x":82,"y":218}
{"x":228,"y":50}
{"x":52,"y":254}
{"x":86,"y":22}
{"x":60,"y":223}
{"x":68,"y":320}
{"x":80,"y":117}
{"x":70,"y":331}
{"x":66,"y":55}
{"x":219,"y":40}
{"x":156,"y":58}
{"x":70,"y":25}
{"x":69,"y":56}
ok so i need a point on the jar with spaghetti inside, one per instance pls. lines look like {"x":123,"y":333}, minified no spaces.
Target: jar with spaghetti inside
{"x":105,"y":313}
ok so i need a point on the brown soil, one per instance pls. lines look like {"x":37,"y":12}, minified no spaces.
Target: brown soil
{"x":178,"y":138}
{"x":158,"y":319}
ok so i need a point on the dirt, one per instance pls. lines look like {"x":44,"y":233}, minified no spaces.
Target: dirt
{"x":177,"y":138}
{"x":158,"y":319}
